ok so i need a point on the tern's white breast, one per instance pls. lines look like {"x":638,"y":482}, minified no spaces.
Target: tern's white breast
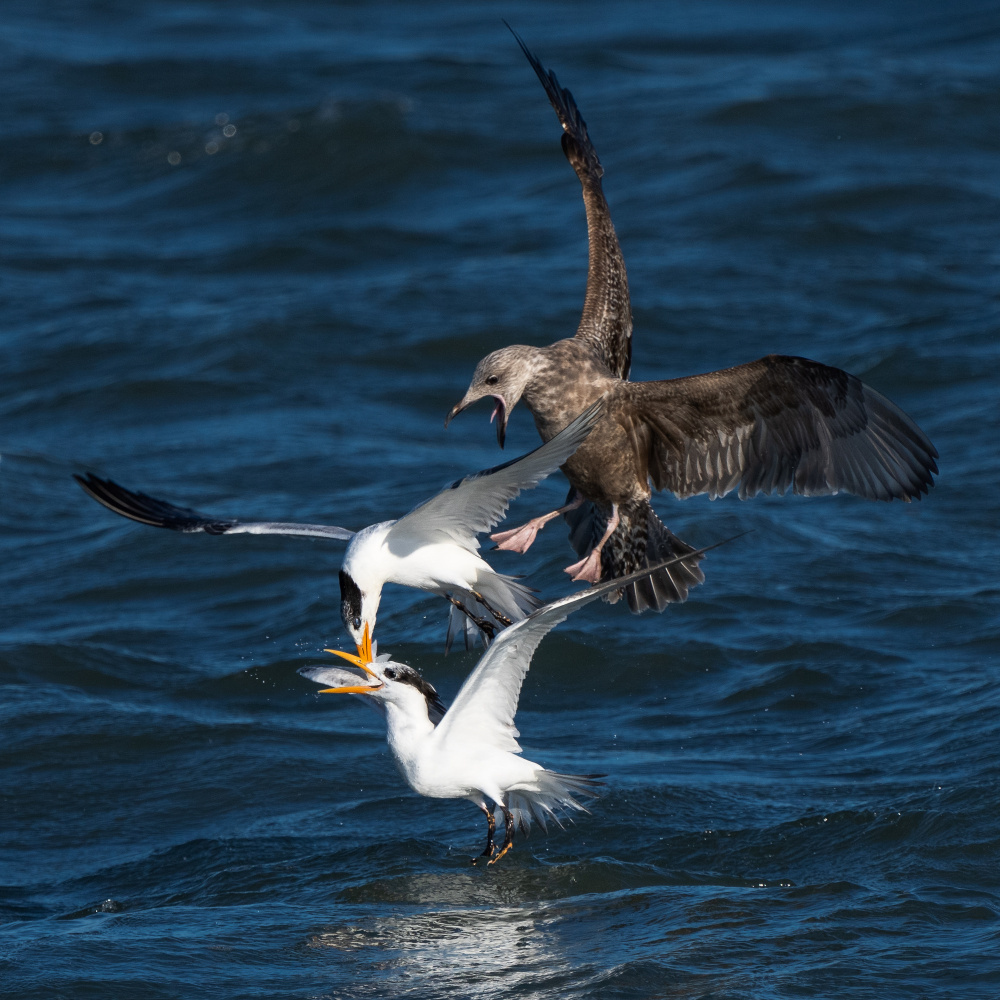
{"x":458,"y":772}
{"x":376,"y":556}
{"x":435,"y":565}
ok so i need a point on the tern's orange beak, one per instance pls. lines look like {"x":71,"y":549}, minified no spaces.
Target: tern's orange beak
{"x":361,"y":661}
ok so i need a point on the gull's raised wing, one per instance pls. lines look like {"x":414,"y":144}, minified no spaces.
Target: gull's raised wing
{"x":484,"y":708}
{"x":774,"y":424}
{"x":161,"y":514}
{"x":606,"y":322}
{"x":476,"y":503}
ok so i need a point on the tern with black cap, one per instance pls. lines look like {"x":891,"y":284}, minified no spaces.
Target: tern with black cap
{"x":433,"y":548}
{"x":470,"y":750}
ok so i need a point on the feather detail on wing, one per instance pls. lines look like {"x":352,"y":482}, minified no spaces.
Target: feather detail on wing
{"x":606,"y":323}
{"x":160,"y":514}
{"x":484,"y":708}
{"x":476,"y":503}
{"x":773,"y":425}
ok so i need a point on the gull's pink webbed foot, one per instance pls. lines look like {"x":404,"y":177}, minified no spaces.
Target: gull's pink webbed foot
{"x":520,"y":539}
{"x":589,"y":568}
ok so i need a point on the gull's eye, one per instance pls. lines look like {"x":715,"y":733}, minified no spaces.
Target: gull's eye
{"x":492,"y":379}
{"x":390,"y":673}
{"x":356,"y":623}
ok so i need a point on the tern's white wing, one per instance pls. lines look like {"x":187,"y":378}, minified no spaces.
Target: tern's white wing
{"x":483,"y":710}
{"x":476,"y":503}
{"x":160,"y":514}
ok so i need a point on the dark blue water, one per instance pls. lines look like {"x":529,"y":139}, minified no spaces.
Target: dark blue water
{"x":250,"y":253}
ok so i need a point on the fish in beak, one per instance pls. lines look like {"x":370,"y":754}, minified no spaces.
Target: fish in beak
{"x":361,"y":661}
{"x":499,"y":414}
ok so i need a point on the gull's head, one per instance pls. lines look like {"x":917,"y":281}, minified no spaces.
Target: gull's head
{"x":358,"y":609}
{"x":502,"y":376}
{"x":382,"y":679}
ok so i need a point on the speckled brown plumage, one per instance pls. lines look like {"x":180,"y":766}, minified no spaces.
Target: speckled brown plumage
{"x":773,"y":425}
{"x":606,"y":323}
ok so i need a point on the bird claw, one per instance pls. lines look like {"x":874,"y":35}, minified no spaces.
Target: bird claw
{"x":507,"y":847}
{"x":588,"y":569}
{"x":485,"y":626}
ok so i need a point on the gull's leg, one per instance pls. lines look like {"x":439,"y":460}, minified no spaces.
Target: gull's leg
{"x":491,"y":825}
{"x":508,"y":835}
{"x":589,"y":568}
{"x":501,"y":618}
{"x":520,"y":539}
{"x":483,"y":623}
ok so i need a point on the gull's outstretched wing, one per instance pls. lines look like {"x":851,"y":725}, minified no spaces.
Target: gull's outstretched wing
{"x":476,"y":503}
{"x":774,"y":424}
{"x":160,"y":514}
{"x":483,"y":710}
{"x":606,"y":322}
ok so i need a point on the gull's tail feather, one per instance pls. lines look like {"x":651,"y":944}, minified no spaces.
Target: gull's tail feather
{"x":641,"y":539}
{"x":650,"y":541}
{"x":553,"y":795}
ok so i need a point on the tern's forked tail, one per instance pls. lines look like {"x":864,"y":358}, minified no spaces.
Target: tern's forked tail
{"x":554,"y":795}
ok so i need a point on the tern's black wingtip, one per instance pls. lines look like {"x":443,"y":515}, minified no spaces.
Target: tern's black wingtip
{"x":92,"y":485}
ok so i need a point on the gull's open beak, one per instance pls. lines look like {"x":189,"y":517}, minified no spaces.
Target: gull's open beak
{"x":499,"y":414}
{"x":361,"y":661}
{"x":457,"y":408}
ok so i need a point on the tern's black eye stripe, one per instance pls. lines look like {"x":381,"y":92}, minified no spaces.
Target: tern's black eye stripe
{"x":407,"y":675}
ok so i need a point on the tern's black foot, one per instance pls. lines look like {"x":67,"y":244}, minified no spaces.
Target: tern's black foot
{"x":505,"y":849}
{"x":483,"y":624}
{"x":491,"y":825}
{"x":508,"y":840}
{"x":501,"y":618}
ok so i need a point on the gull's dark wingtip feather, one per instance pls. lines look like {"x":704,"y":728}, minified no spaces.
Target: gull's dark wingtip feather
{"x":145,"y":509}
{"x":520,"y":41}
{"x":547,"y":77}
{"x":574,"y":127}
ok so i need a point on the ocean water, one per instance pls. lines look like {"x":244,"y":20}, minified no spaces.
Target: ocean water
{"x":249,"y":256}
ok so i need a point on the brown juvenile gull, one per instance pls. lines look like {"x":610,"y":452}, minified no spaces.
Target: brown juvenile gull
{"x":773,"y":425}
